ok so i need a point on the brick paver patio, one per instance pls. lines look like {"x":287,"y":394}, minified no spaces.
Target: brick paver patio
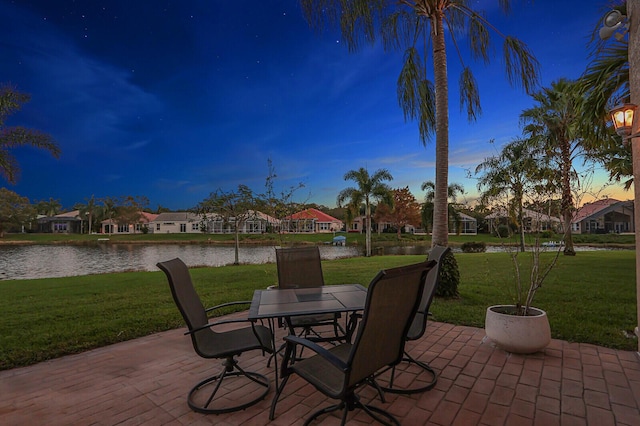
{"x":145,"y":381}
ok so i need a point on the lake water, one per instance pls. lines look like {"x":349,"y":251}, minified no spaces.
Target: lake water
{"x":48,"y":261}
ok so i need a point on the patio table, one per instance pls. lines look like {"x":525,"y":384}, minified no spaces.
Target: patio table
{"x":271,"y":304}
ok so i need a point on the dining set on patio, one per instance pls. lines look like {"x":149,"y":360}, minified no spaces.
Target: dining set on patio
{"x":340,"y":339}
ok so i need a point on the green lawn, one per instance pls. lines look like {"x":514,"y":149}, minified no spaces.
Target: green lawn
{"x":589,"y":298}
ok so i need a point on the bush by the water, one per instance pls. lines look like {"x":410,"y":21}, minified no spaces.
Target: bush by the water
{"x":449,"y":277}
{"x":503,"y":231}
{"x":474,"y":247}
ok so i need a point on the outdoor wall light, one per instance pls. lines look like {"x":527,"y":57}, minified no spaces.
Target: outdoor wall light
{"x":613,"y":21}
{"x":622,"y":118}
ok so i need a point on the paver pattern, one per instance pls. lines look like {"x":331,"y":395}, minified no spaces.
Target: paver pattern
{"x":146,"y":380}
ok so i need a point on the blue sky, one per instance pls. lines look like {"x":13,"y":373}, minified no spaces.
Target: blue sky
{"x":173,"y":100}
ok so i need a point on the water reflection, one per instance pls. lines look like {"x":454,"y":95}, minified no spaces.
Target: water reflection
{"x":47,"y":261}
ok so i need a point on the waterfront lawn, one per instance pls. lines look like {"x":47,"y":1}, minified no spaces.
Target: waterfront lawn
{"x":589,"y":298}
{"x":285,"y":239}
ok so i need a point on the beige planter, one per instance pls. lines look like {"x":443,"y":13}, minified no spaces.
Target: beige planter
{"x":517,"y":334}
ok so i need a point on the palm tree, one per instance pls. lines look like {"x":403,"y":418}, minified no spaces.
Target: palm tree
{"x":107,"y":211}
{"x":554,"y":125}
{"x":49,"y":208}
{"x":413,"y":26}
{"x":605,"y":83}
{"x":11,"y":137}
{"x":453,"y":189}
{"x":87,"y":211}
{"x":507,"y":175}
{"x":369,"y":187}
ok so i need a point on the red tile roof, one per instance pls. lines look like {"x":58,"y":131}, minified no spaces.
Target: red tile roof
{"x":589,"y":209}
{"x":314,"y":214}
{"x":148,"y":217}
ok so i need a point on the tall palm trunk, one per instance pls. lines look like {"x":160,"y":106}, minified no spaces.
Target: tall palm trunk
{"x":440,"y":211}
{"x":633,"y":12}
{"x":368,"y":227}
{"x":567,"y":198}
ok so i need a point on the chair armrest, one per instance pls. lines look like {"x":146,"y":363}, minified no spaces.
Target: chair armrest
{"x":324,"y":353}
{"x":224,"y":305}
{"x":213,"y":324}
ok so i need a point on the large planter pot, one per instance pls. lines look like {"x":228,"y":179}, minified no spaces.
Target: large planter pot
{"x":517,"y":334}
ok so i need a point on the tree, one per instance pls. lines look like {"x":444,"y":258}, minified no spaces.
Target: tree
{"x":507,"y":176}
{"x":604,"y":84}
{"x":413,"y":26}
{"x":48,"y":208}
{"x":11,"y":137}
{"x":87,"y":211}
{"x":370,"y":187}
{"x":554,"y":125}
{"x":279,"y":206}
{"x":453,"y":190}
{"x":405,"y":210}
{"x":129,"y":210}
{"x":15,"y":211}
{"x":107,"y":210}
{"x":234,"y":207}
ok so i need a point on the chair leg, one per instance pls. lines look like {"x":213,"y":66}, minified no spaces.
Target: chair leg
{"x":272,"y":412}
{"x":352,"y":402}
{"x":231,"y":369}
{"x":374,"y":383}
{"x":408,"y":391}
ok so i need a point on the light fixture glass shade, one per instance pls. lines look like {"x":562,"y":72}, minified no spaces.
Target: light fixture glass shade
{"x":623,"y":119}
{"x":612,"y":18}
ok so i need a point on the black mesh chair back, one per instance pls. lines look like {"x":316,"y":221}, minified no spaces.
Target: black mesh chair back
{"x":419,"y":324}
{"x":411,"y":365}
{"x":224,"y":345}
{"x":299,"y":267}
{"x":188,"y":303}
{"x":392,"y":302}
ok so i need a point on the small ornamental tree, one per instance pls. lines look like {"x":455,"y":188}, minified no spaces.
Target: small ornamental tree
{"x":235,"y":208}
{"x":15,"y":211}
{"x":405,"y":210}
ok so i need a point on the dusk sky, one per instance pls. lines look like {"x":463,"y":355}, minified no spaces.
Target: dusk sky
{"x":174,"y":99}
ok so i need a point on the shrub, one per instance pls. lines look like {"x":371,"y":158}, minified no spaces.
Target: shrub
{"x":546,"y":233}
{"x":474,"y":247}
{"x":449,"y":277}
{"x":503,"y":231}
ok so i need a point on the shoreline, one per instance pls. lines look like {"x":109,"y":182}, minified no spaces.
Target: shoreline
{"x":269,"y":242}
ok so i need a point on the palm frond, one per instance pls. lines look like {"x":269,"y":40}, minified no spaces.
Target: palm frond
{"x":522,"y":68}
{"x":469,"y":94}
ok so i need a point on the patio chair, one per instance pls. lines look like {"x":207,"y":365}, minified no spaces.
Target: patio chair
{"x":301,"y":267}
{"x":337,"y":372}
{"x":418,"y":328}
{"x":225,"y":345}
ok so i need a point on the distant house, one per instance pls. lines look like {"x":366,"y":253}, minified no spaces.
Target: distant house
{"x":533,"y":221}
{"x":66,"y":223}
{"x":466,"y":225}
{"x":113,"y":226}
{"x":312,"y":221}
{"x":176,"y":223}
{"x":358,"y":224}
{"x":604,"y":216}
{"x":256,"y":223}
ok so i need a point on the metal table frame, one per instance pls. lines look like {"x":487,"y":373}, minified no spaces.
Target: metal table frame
{"x":272,"y":304}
